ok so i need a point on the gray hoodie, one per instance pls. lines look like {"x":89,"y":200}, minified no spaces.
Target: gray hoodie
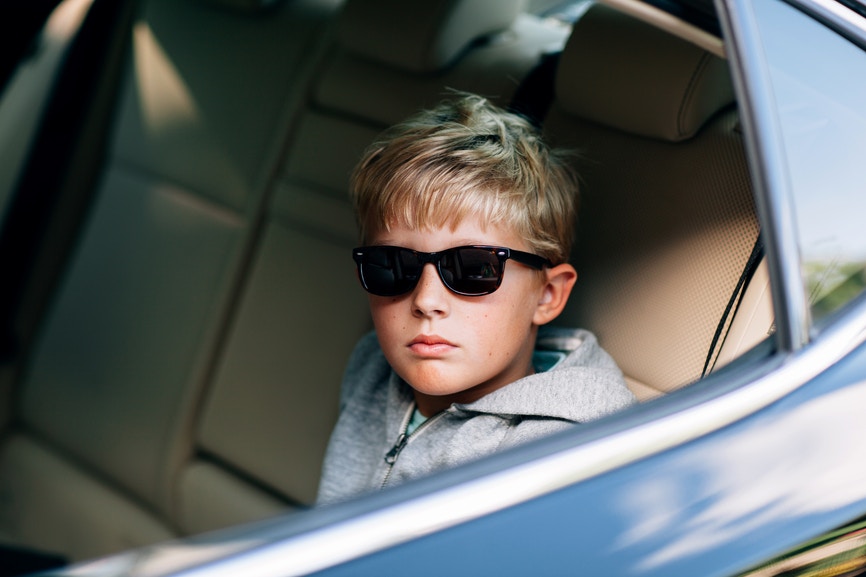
{"x":368,"y":449}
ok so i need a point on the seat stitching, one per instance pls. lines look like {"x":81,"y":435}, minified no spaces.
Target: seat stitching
{"x":689,"y":93}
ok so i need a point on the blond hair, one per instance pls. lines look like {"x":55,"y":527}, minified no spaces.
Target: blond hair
{"x":468,"y":157}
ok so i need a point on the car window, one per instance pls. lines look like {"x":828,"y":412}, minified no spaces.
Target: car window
{"x":820,"y":91}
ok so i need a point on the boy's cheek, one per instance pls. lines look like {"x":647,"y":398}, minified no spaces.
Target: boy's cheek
{"x":384,"y":311}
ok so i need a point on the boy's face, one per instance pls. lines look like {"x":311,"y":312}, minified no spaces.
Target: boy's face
{"x":452,"y":348}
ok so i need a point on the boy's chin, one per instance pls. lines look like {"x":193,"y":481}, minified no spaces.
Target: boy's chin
{"x":435,"y":380}
{"x":442,"y":397}
{"x":437,"y":390}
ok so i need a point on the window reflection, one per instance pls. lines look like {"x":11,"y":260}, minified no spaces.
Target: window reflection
{"x":819,"y":82}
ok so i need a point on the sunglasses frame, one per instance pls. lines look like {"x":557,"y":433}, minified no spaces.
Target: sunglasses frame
{"x":502,"y":254}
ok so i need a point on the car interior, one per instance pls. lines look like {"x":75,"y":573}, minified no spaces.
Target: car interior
{"x":180,"y":299}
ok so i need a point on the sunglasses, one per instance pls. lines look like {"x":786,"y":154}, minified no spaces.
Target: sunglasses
{"x":466,"y":270}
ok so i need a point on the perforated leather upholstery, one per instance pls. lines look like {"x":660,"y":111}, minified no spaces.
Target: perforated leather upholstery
{"x":667,"y":221}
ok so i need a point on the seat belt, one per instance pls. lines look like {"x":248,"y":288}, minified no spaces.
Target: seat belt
{"x":734,"y":303}
{"x":535,"y":93}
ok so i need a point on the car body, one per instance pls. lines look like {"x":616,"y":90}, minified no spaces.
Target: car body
{"x":753,"y":469}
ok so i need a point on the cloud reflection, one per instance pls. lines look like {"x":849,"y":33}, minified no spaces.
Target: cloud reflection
{"x":779,"y":469}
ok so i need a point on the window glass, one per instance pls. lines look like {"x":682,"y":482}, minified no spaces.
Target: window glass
{"x":819,"y":82}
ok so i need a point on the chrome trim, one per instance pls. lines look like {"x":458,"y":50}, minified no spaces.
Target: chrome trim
{"x":766,"y":152}
{"x":763,"y":140}
{"x":402,"y":522}
{"x":836,"y":15}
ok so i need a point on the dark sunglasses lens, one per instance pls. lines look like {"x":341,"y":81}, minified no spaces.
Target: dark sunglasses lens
{"x":389,"y":271}
{"x":471,"y":271}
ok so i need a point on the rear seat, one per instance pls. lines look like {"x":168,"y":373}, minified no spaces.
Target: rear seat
{"x":654,"y":122}
{"x":381,"y":78}
{"x":151,"y":409}
{"x":106,"y":418}
{"x":186,"y":374}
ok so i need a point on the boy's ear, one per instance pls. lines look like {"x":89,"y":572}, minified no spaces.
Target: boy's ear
{"x":557,"y":288}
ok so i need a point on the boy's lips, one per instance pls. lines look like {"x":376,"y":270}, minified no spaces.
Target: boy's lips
{"x":430,"y":345}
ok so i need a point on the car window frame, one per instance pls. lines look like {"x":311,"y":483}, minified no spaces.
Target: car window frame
{"x":775,"y":200}
{"x":783,"y":363}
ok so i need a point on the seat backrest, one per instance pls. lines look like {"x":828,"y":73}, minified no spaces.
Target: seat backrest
{"x":667,"y":221}
{"x":392,"y":57}
{"x":127,"y":351}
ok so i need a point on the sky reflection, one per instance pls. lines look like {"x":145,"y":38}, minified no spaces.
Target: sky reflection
{"x":716,"y":497}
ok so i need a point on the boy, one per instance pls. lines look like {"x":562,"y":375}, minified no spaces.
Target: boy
{"x":467,"y":218}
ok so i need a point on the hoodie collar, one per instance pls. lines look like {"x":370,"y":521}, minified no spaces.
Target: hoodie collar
{"x":585,"y":385}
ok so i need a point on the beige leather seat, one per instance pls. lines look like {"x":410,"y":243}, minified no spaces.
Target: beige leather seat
{"x":186,"y":376}
{"x":392,"y":57}
{"x":187,"y":372}
{"x":105,"y":430}
{"x":667,"y":220}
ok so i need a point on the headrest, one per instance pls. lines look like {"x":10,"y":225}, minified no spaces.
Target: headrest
{"x":621,"y":72}
{"x":421,"y":36}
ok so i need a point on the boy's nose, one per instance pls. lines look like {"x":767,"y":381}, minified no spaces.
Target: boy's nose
{"x":430,"y":296}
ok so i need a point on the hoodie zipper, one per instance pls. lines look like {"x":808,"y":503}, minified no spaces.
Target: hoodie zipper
{"x":403,"y":439}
